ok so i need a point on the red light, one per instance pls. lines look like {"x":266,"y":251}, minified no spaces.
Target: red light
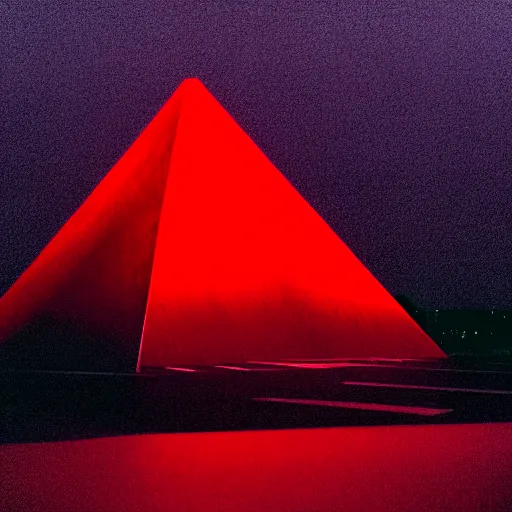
{"x":195,"y":234}
{"x":461,"y":468}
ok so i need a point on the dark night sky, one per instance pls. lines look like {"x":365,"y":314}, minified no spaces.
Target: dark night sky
{"x":392,"y":118}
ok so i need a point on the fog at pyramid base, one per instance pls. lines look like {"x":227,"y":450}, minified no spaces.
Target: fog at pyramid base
{"x":195,"y":250}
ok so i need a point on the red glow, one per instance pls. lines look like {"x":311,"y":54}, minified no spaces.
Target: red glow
{"x":236,"y":368}
{"x":364,"y":406}
{"x":326,"y":366}
{"x":460,"y":468}
{"x":196,"y":232}
{"x":176,"y":369}
{"x":432,"y":388}
{"x":245,"y":269}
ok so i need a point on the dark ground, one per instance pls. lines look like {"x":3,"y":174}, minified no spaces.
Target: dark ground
{"x":50,"y":406}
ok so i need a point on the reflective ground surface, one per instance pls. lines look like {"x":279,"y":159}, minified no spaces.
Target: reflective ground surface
{"x":54,"y":406}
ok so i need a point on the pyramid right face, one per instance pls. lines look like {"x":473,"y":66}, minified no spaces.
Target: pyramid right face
{"x":244,"y":269}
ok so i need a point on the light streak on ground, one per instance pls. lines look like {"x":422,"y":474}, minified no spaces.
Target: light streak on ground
{"x":320,"y":366}
{"x":402,"y":409}
{"x":177,"y":369}
{"x":432,"y":388}
{"x":237,"y":368}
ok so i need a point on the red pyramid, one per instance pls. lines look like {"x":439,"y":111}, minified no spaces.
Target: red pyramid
{"x":197,"y":241}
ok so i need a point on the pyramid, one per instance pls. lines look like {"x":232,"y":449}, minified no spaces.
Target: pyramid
{"x":194,"y":249}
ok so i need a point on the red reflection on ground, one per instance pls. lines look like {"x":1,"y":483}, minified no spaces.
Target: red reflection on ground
{"x":176,"y":369}
{"x":422,"y":468}
{"x":364,"y":406}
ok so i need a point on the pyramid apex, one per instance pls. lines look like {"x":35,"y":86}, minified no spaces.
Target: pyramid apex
{"x":194,"y":81}
{"x":190,"y":85}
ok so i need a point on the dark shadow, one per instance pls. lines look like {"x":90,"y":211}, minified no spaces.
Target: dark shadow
{"x":47,"y":344}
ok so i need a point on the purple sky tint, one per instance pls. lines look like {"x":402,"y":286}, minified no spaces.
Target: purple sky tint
{"x":392,"y":118}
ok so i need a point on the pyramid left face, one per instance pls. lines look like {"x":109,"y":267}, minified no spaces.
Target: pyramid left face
{"x":81,"y":304}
